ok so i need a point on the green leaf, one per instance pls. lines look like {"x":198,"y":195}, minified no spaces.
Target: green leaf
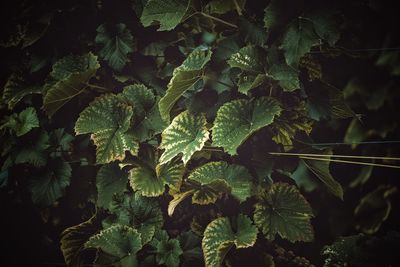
{"x":74,"y":238}
{"x":146,"y":114}
{"x":184,"y":77}
{"x":167,"y":13}
{"x":221,"y":234}
{"x":374,"y":209}
{"x":167,"y":250}
{"x":108,"y":120}
{"x":71,"y":75}
{"x":116,"y":43}
{"x":16,"y":88}
{"x":325,"y":25}
{"x":249,"y":81}
{"x":224,"y":6}
{"x":119,"y":241}
{"x":150,"y":182}
{"x":249,"y":58}
{"x":34,"y":151}
{"x":239,"y":119}
{"x":186,"y":134}
{"x":298,"y":40}
{"x":252,"y":32}
{"x":23,"y":122}
{"x":283,"y":210}
{"x":144,"y":214}
{"x":191,"y":247}
{"x":274,"y":12}
{"x":321,"y":170}
{"x":236,"y":178}
{"x":287,"y":76}
{"x":50,"y":185}
{"x":110,"y":179}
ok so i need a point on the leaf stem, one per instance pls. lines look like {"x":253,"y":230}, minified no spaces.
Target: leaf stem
{"x":238,"y":9}
{"x":97,"y":87}
{"x":218,"y":19}
{"x":213,"y":148}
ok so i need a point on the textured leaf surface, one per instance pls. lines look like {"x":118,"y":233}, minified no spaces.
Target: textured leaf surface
{"x":120,"y":241}
{"x":71,"y":75}
{"x":239,"y":119}
{"x":287,"y":76}
{"x":321,"y":170}
{"x":249,"y":58}
{"x":298,"y":40}
{"x":110,"y":179}
{"x":108,"y":120}
{"x":116,"y":42}
{"x":150,"y":182}
{"x":220,"y":236}
{"x":183,"y":77}
{"x":74,"y":238}
{"x":186,"y":134}
{"x":50,"y":186}
{"x":237,"y":178}
{"x":284,"y":211}
{"x":168,"y":250}
{"x":34,"y":152}
{"x":167,"y":13}
{"x":21,"y":123}
{"x":249,"y":81}
{"x":16,"y":88}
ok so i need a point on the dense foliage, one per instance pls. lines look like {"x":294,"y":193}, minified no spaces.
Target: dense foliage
{"x":153,"y":132}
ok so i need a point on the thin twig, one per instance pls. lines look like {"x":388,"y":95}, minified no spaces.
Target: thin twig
{"x":332,"y":156}
{"x":238,"y":9}
{"x":97,"y":87}
{"x":219,"y":20}
{"x":352,"y":162}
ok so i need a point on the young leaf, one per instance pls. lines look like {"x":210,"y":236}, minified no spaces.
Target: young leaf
{"x":321,"y":170}
{"x":284,"y":211}
{"x":298,"y":40}
{"x":236,"y":178}
{"x":167,"y":13}
{"x":71,"y":75}
{"x":239,"y":119}
{"x":120,"y":241}
{"x":23,"y":122}
{"x":220,"y":236}
{"x":249,"y":58}
{"x":74,"y":238}
{"x":184,"y":76}
{"x":186,"y":134}
{"x":116,"y":42}
{"x":108,"y":120}
{"x":51,"y":184}
{"x":150,"y":182}
{"x":287,"y":76}
{"x":110,"y":179}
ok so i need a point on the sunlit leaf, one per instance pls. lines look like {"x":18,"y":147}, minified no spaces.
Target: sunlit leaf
{"x":249,"y":58}
{"x":239,"y":119}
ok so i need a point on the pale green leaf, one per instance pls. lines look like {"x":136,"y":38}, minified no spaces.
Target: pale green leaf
{"x":184,"y":77}
{"x":168,"y":14}
{"x":186,"y":134}
{"x":298,"y":40}
{"x":119,"y":241}
{"x":220,"y":236}
{"x":50,"y":185}
{"x":23,"y":122}
{"x":283,"y":210}
{"x":116,"y":43}
{"x":248,"y":81}
{"x":108,"y":120}
{"x":249,"y":58}
{"x":237,"y":178}
{"x":110,"y":179}
{"x":239,"y":119}
{"x":71,"y":75}
{"x":150,"y":182}
{"x":287,"y":76}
